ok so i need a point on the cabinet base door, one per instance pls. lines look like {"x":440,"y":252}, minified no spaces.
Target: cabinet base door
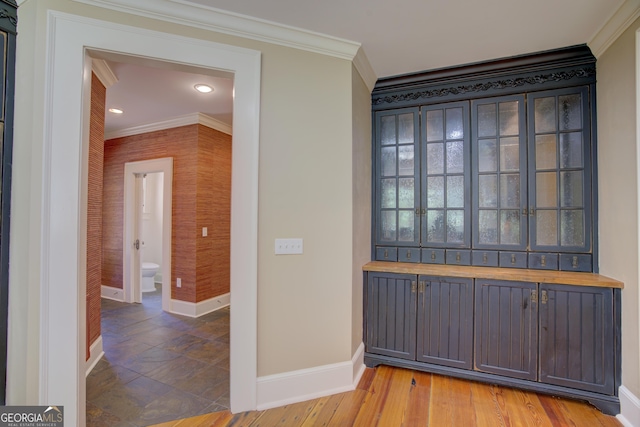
{"x":577,"y":337}
{"x":445,"y":321}
{"x":506,"y":328}
{"x":390,"y":326}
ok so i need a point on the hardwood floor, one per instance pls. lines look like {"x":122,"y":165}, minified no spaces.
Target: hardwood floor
{"x":394,"y":397}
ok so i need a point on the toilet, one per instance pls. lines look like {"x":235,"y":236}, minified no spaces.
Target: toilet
{"x":149,"y":270}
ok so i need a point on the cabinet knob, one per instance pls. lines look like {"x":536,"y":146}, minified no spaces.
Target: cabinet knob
{"x":386,"y":254}
{"x":513,"y":259}
{"x":543,"y":260}
{"x":458,"y":257}
{"x":574,"y":262}
{"x":484,"y":258}
{"x":408,"y":253}
{"x":433,"y":255}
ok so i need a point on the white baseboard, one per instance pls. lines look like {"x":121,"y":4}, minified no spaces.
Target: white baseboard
{"x":629,"y":408}
{"x":112,"y":293}
{"x":192,"y":309}
{"x":305,"y":384}
{"x":95,"y":354}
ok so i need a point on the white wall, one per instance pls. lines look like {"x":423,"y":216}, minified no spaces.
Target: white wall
{"x":618,"y":189}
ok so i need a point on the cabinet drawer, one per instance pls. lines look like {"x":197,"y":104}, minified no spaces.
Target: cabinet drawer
{"x":513,"y":259}
{"x":409,"y":254}
{"x":543,"y":261}
{"x":433,"y":256}
{"x":456,"y":257}
{"x":573,"y":262}
{"x":386,"y":254}
{"x":485,"y":258}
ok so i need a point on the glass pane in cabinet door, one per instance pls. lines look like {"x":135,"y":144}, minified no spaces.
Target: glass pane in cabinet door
{"x":388,"y":226}
{"x":406,"y":223}
{"x":547,"y":227}
{"x":435,"y":158}
{"x":570,"y":109}
{"x":510,"y":191}
{"x":510,"y":227}
{"x":487,"y":155}
{"x":455,"y":128}
{"x":389,"y":193}
{"x":487,"y":191}
{"x":488,"y":227}
{"x":455,"y":157}
{"x":509,"y":122}
{"x":435,"y":125}
{"x":571,"y":228}
{"x":487,"y":120}
{"x":406,"y":160}
{"x":388,"y":130}
{"x":571,"y":150}
{"x":388,"y":161}
{"x":435,"y":192}
{"x":405,"y":129}
{"x":546,"y":152}
{"x":435,"y":226}
{"x":509,"y":154}
{"x":455,"y":226}
{"x":406,"y":192}
{"x":546,"y":190}
{"x":545,"y":115}
{"x":571,"y":189}
{"x":455,"y":191}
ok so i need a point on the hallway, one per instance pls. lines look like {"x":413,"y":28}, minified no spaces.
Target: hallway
{"x":158,"y":366}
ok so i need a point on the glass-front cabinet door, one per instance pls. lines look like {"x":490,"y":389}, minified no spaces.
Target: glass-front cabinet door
{"x":499,"y":173}
{"x":445,"y":176}
{"x":398,"y":179}
{"x":559,"y":170}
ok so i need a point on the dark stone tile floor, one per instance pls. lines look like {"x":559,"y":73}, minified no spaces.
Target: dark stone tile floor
{"x":158,"y":366}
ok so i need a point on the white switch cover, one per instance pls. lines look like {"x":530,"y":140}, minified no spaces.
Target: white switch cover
{"x":288,"y":246}
{"x":204,"y":231}
{"x":178,"y":282}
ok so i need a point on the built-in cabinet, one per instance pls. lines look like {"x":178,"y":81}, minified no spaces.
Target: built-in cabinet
{"x":548,"y":337}
{"x":484,"y":229}
{"x":493,"y":172}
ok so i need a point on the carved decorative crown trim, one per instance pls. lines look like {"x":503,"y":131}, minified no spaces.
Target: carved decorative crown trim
{"x":482,"y":87}
{"x":5,"y":14}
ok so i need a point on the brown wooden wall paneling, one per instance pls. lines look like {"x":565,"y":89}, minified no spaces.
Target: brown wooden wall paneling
{"x":201,"y":198}
{"x":213,"y":212}
{"x":94,"y":210}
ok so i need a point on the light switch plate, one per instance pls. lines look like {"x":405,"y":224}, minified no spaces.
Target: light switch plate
{"x":204,"y":231}
{"x":288,"y":246}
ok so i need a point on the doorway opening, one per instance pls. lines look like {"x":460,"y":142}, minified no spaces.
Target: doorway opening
{"x":147,"y":229}
{"x":62,"y":319}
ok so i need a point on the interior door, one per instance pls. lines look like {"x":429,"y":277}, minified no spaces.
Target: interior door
{"x":136,"y":261}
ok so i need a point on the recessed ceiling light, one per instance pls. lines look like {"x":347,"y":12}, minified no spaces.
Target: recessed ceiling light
{"x":115,"y":111}
{"x":203,"y":88}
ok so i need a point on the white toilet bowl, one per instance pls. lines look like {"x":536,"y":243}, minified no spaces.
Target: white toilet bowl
{"x":149,"y":270}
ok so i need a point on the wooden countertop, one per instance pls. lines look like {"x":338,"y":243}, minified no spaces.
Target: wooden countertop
{"x":524,"y":275}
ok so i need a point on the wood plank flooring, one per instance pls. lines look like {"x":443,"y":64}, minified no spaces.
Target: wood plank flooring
{"x":394,"y":397}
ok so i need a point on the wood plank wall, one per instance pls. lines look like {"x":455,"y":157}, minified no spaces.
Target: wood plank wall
{"x":94,"y":209}
{"x":214,"y":212}
{"x":195,"y":150}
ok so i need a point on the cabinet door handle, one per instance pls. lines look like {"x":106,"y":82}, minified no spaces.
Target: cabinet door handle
{"x":574,"y":262}
{"x":408,"y":253}
{"x":433,"y":255}
{"x":513,"y":259}
{"x":534,"y":297}
{"x":458,"y":257}
{"x":543,"y":260}
{"x":386,"y":254}
{"x":544,"y":297}
{"x":532,"y":212}
{"x":484,"y":258}
{"x":413,"y":287}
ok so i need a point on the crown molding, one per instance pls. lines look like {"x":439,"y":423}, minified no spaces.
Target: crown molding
{"x":195,"y":15}
{"x":104,"y":72}
{"x":189,"y":119}
{"x":363,"y":66}
{"x":613,"y":28}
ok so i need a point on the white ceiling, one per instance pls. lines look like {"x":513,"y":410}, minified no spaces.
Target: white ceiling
{"x":398,"y":37}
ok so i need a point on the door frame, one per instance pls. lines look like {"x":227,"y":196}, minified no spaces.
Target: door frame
{"x":132,"y":293}
{"x":58,"y":281}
